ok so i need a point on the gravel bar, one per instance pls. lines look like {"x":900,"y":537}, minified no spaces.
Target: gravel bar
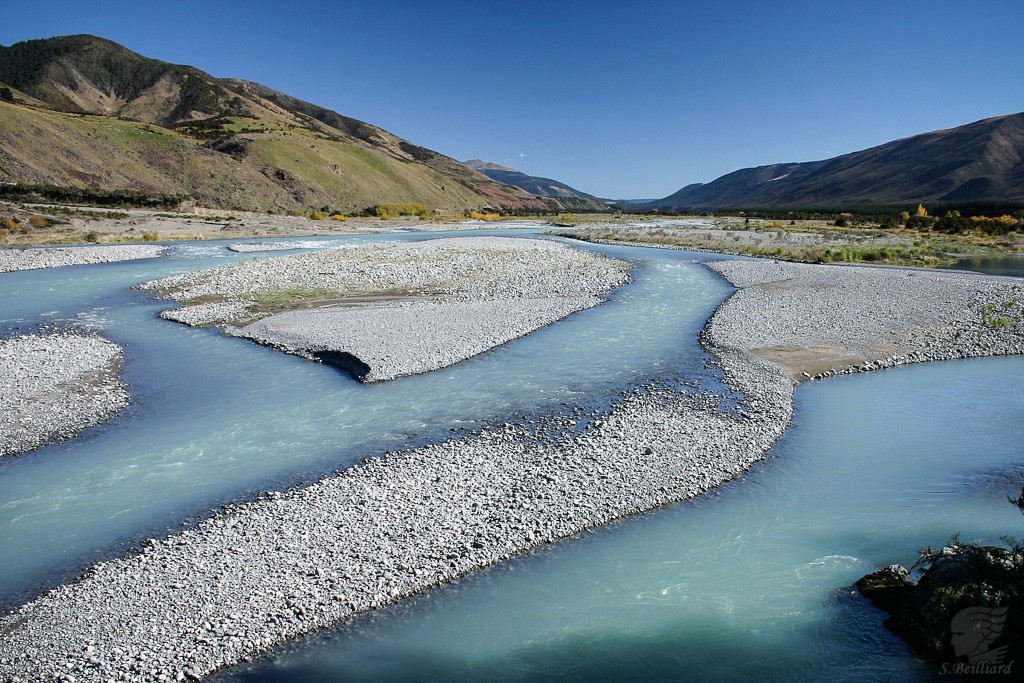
{"x":821,"y":320}
{"x":382,"y":342}
{"x":259,"y":574}
{"x":386,"y":311}
{"x":55,"y":257}
{"x":53,"y":386}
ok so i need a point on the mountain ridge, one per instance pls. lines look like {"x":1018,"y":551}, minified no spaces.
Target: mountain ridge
{"x":289,"y":153}
{"x":978,"y":161}
{"x":540,"y":186}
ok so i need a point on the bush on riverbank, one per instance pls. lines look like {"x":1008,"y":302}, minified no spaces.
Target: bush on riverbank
{"x":388,"y":211}
{"x":967,"y":608}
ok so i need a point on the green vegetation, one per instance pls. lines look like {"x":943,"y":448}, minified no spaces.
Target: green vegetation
{"x":999,"y":316}
{"x":218,"y":127}
{"x":197,"y":217}
{"x":923,"y":254}
{"x":489,"y":217}
{"x":86,"y":213}
{"x":25,"y":192}
{"x":1009,"y":216}
{"x":268,"y":303}
{"x":203,"y":129}
{"x":386,"y":211}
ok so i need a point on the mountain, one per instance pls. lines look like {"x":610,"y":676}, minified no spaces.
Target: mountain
{"x":543,"y":187}
{"x":84,"y":112}
{"x":980,"y":161}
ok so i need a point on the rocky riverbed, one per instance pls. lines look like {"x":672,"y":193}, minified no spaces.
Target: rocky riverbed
{"x":818,"y":321}
{"x":55,"y":257}
{"x":261,"y":573}
{"x":52,"y":386}
{"x":397,"y":309}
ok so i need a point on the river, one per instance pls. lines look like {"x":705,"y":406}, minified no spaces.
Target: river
{"x":751,"y":582}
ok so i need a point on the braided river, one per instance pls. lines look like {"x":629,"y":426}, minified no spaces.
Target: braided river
{"x":752,"y":582}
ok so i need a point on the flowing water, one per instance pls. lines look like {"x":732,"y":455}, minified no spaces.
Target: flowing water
{"x":217,"y":418}
{"x":751,"y":582}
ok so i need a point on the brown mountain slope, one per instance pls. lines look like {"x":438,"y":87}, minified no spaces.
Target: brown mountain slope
{"x":980,"y":161}
{"x":228,"y":143}
{"x":569,"y":197}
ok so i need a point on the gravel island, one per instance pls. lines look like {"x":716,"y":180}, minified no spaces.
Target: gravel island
{"x":53,"y":386}
{"x":386,"y":311}
{"x":55,"y":257}
{"x":288,"y":564}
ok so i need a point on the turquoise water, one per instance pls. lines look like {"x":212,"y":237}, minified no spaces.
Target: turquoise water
{"x":749,"y":583}
{"x":216,"y":418}
{"x":994,"y":264}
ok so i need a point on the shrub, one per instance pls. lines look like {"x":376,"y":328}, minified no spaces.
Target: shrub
{"x":921,"y":222}
{"x":386,"y":211}
{"x":477,"y":216}
{"x":11,"y":224}
{"x":338,"y":217}
{"x":92,"y":236}
{"x":150,"y":236}
{"x":316,"y":216}
{"x":38,"y":221}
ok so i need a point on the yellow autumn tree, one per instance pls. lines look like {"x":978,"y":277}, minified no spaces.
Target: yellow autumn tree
{"x":921,"y":211}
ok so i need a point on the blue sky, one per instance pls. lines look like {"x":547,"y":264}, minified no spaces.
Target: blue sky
{"x":623,"y":99}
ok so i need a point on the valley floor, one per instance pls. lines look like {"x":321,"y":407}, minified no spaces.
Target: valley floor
{"x":262,"y":573}
{"x":813,"y":241}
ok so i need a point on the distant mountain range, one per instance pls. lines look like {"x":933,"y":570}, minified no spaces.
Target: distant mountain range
{"x":542,"y":187}
{"x":981,"y":161}
{"x":84,"y":112}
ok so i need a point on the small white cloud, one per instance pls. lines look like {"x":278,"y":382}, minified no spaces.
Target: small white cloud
{"x":522,"y":155}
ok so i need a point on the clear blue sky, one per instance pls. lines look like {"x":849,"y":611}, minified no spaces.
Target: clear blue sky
{"x":623,"y":99}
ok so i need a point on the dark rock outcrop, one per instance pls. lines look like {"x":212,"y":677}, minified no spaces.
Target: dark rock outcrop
{"x":965,"y":612}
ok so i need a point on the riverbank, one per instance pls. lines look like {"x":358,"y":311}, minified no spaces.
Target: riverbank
{"x":54,"y":386}
{"x":804,"y":240}
{"x":386,"y":311}
{"x":286,"y":565}
{"x":46,"y":224}
{"x":813,"y":242}
{"x":55,"y":257}
{"x":820,"y":321}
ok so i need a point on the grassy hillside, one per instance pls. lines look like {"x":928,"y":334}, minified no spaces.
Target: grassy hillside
{"x":278,"y":170}
{"x":89,"y":113}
